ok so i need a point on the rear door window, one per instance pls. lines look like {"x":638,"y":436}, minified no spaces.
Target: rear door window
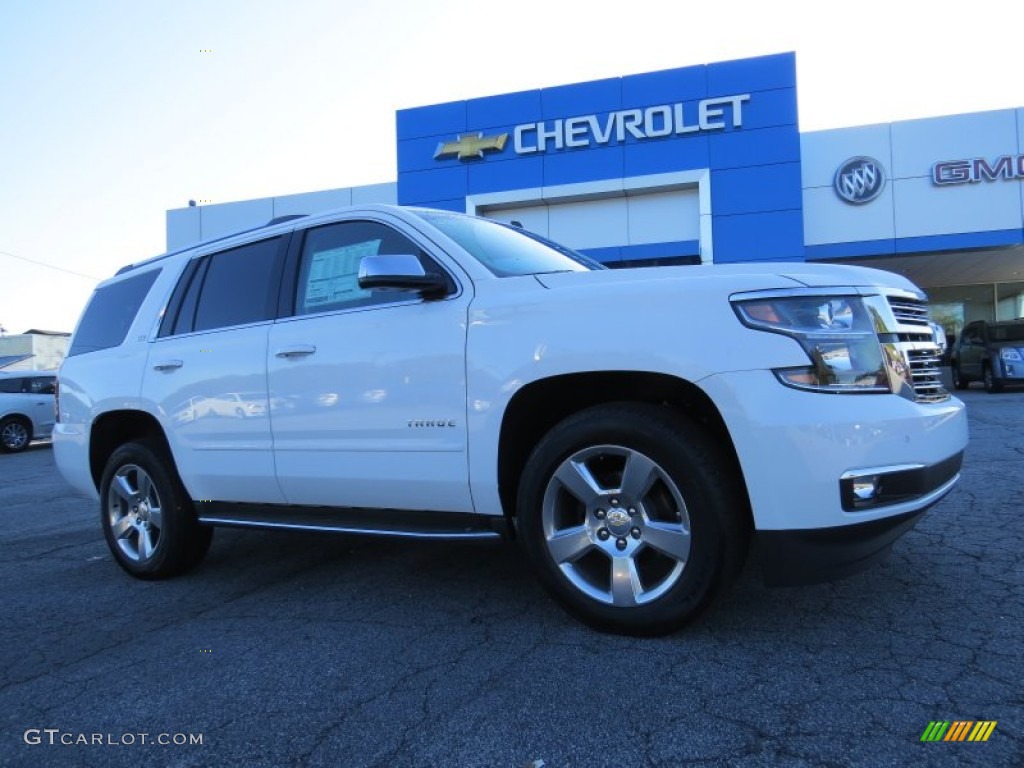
{"x":234,"y":287}
{"x":40,"y":385}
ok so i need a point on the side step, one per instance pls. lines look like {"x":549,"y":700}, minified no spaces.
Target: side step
{"x":373,"y":522}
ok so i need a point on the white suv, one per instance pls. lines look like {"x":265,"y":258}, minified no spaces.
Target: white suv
{"x":26,"y":408}
{"x":410,"y":372}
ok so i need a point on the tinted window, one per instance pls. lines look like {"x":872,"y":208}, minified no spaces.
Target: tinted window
{"x":110,"y":313}
{"x":40,"y":385}
{"x":329,"y":268}
{"x":240,"y":286}
{"x":176,"y":314}
{"x":10,"y":385}
{"x":1007,"y":332}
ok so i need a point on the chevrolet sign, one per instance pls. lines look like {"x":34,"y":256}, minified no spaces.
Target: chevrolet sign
{"x":616,"y":127}
{"x":650,"y":123}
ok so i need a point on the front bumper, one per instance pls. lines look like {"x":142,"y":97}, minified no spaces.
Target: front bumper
{"x":809,"y":556}
{"x":795,"y":448}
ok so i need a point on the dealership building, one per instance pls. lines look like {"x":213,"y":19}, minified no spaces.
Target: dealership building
{"x":707,"y":164}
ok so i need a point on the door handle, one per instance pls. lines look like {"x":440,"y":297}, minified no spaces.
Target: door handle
{"x":168,"y":365}
{"x":299,"y":350}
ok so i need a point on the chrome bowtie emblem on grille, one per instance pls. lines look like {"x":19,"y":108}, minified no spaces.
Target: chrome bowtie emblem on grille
{"x":859,"y":180}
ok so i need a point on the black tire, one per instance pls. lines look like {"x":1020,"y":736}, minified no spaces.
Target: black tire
{"x":649,"y":475}
{"x":148,"y":520}
{"x":992,"y":384}
{"x":15,"y":434}
{"x":958,"y":380}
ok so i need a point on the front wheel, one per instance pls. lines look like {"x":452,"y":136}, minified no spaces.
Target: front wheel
{"x":148,"y":519}
{"x":992,"y":384}
{"x":633,"y":517}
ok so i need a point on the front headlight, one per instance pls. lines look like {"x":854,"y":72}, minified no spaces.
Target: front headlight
{"x":1011,"y":354}
{"x":838,"y":335}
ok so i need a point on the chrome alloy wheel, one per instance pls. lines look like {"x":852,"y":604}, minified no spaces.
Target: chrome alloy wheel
{"x":134,"y":512}
{"x":616,"y":525}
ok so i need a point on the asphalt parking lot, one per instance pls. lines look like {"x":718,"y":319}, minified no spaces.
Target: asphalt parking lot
{"x":298,"y":649}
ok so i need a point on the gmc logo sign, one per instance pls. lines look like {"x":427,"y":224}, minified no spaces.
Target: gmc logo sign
{"x":978,"y":169}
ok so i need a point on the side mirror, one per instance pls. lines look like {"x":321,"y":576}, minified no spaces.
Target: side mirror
{"x":400,"y":272}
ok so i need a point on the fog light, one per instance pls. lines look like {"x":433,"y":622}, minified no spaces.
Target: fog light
{"x":867,"y":488}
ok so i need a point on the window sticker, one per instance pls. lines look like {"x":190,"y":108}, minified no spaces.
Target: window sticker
{"x":334,"y":274}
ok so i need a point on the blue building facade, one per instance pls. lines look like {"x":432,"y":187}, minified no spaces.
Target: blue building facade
{"x":725,"y":132}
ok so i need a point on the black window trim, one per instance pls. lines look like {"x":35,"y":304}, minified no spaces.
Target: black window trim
{"x":196,"y":270}
{"x":287,"y":299}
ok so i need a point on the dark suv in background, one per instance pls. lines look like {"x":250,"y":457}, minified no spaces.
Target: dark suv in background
{"x":992,"y":353}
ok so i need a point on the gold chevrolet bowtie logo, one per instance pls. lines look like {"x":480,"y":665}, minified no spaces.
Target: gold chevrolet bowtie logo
{"x":470,"y":145}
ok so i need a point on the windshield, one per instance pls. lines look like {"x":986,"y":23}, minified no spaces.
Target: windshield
{"x":507,"y":250}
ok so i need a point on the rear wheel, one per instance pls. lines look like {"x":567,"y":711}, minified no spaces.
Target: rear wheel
{"x":148,"y":519}
{"x":15,"y":434}
{"x":958,"y":379}
{"x":632,"y":517}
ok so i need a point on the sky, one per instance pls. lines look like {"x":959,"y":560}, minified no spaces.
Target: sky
{"x":113,"y":112}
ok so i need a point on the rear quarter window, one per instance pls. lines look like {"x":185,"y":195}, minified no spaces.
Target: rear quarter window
{"x":110,"y":312}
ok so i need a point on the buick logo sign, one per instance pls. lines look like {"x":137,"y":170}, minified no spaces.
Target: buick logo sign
{"x":859,"y":180}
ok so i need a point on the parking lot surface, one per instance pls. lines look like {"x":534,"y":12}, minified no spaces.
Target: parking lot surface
{"x":303,"y":649}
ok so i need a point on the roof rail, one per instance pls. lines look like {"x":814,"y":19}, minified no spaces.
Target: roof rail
{"x":271,"y":223}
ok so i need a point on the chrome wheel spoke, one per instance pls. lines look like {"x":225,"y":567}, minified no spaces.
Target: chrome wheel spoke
{"x":576,"y":478}
{"x":569,"y":544}
{"x":145,"y":486}
{"x":626,"y":586}
{"x":671,"y":539}
{"x":638,"y":476}
{"x":124,"y":489}
{"x":122,"y":528}
{"x":146,"y":545}
{"x":156,"y":517}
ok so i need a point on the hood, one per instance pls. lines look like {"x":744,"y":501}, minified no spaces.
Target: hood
{"x":747,"y":277}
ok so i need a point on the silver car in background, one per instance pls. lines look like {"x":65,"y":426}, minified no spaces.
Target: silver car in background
{"x":26,"y":408}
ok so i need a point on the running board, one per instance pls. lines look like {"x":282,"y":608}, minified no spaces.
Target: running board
{"x":373,"y":522}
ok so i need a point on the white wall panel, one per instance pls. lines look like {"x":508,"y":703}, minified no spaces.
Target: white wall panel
{"x":376,"y":193}
{"x":186,"y":226}
{"x":312,"y":202}
{"x":918,"y":144}
{"x":227,"y":218}
{"x":827,"y":219}
{"x":533,"y":218}
{"x":822,"y":152}
{"x":653,"y":217}
{"x":589,"y":223}
{"x":924,"y":209}
{"x":183,"y":227}
{"x":661,"y":217}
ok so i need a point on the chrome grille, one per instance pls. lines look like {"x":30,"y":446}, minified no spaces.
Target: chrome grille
{"x":925,"y":374}
{"x":909,"y":311}
{"x":914,"y":338}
